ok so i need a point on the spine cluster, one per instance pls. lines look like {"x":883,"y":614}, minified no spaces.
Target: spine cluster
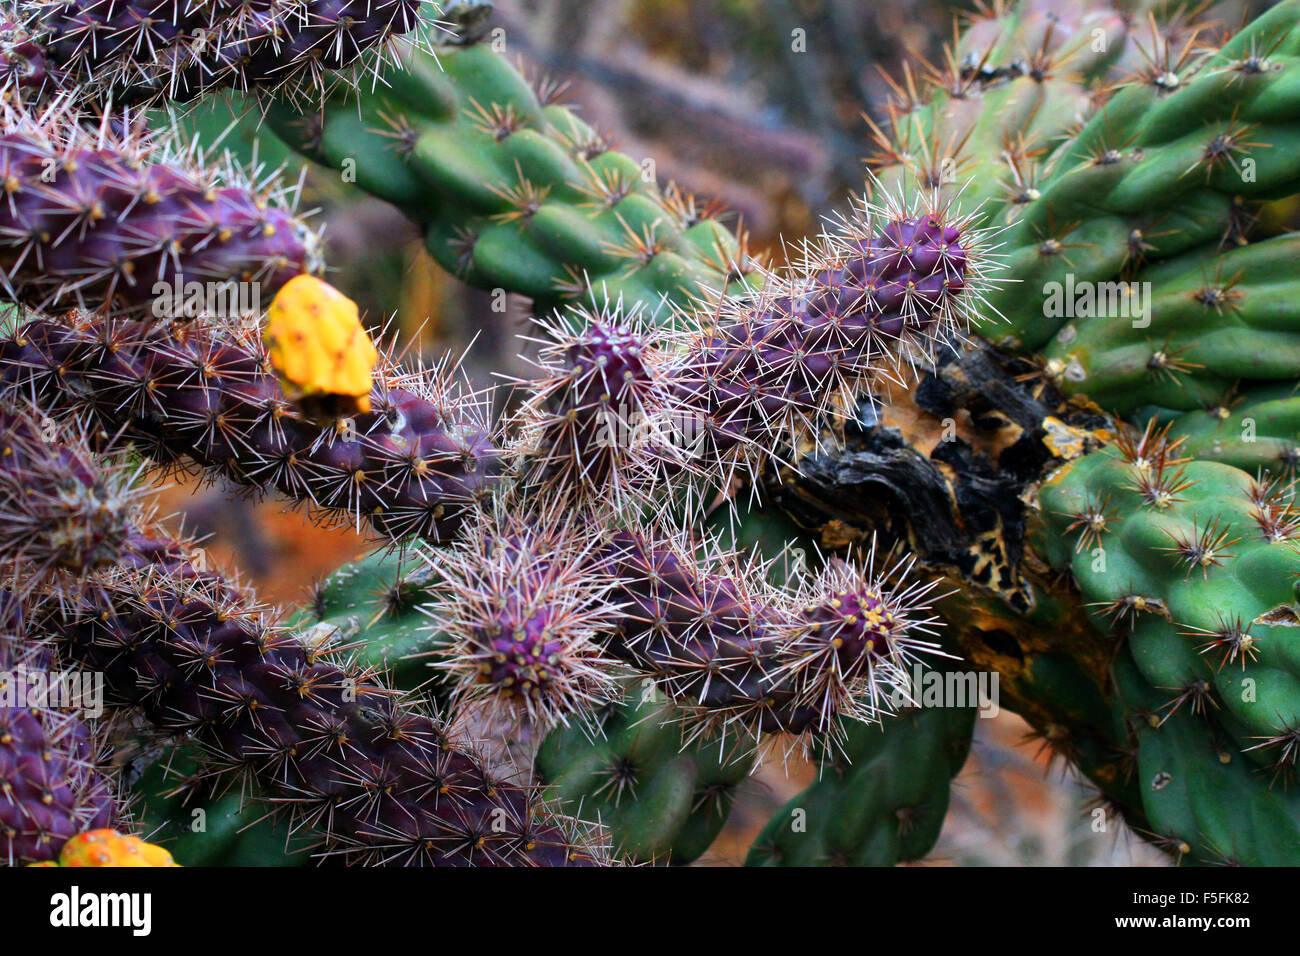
{"x":61,"y":510}
{"x":525,"y":608}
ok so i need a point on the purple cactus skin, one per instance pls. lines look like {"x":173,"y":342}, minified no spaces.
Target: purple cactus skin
{"x":343,"y":753}
{"x":411,"y":466}
{"x":90,"y":221}
{"x":730,"y":650}
{"x":61,"y":510}
{"x":710,"y":639}
{"x":773,"y":363}
{"x":51,"y":785}
{"x":614,"y":418}
{"x":138,"y":50}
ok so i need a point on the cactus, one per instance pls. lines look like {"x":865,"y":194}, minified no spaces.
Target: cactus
{"x":1177,"y":538}
{"x":62,"y":513}
{"x":1207,"y":322}
{"x":299,"y":719}
{"x":53,"y":777}
{"x":379,"y":606}
{"x":905,"y":383}
{"x":92,"y":220}
{"x":146,"y":50}
{"x":409,"y":466}
{"x":660,"y":801}
{"x":1196,"y":789}
{"x":523,"y":605}
{"x":511,"y":189}
{"x":881,"y":798}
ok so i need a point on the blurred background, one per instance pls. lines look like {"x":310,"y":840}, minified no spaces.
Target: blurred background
{"x":712,"y":91}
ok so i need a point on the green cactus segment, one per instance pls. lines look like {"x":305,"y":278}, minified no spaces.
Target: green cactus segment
{"x":374,"y":605}
{"x":663,"y":801}
{"x":1198,"y":559}
{"x":1018,"y":82}
{"x":880,"y":801}
{"x":1204,"y":802}
{"x":1155,"y":173}
{"x":513,"y":190}
{"x":1260,"y":434}
{"x":1183,"y":336}
{"x":223,"y":830}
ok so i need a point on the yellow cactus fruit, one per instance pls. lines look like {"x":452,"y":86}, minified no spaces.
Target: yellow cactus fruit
{"x":110,"y":848}
{"x":318,"y":347}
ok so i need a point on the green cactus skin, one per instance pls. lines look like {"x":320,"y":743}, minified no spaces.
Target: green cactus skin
{"x":1167,"y":164}
{"x":1213,"y":320}
{"x":1216,"y":572}
{"x":232,"y":834}
{"x":662,"y":801}
{"x":1261,"y":433}
{"x":1021,"y":78}
{"x":376,"y":604}
{"x":880,"y":801}
{"x":1206,"y":805}
{"x":514,"y":191}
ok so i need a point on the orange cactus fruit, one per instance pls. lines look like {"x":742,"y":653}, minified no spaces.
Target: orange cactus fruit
{"x":318,"y":347}
{"x":110,"y":848}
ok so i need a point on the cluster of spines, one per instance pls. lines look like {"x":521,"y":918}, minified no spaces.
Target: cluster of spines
{"x":22,"y":57}
{"x":95,"y":216}
{"x":615,"y":414}
{"x":858,"y":632}
{"x":152,"y":50}
{"x":593,"y":429}
{"x":326,"y":740}
{"x":524,"y":607}
{"x":410,"y":466}
{"x":53,"y":775}
{"x":63,"y":513}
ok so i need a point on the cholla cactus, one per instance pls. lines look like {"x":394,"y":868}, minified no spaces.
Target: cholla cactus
{"x":92,"y":219}
{"x":54,"y":779}
{"x":144,"y":50}
{"x":63,"y":513}
{"x":524,"y":605}
{"x":1034,"y":463}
